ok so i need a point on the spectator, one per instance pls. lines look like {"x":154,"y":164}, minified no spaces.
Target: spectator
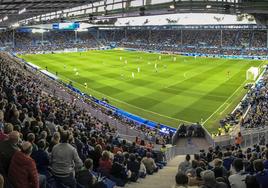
{"x":251,"y":182}
{"x":265,"y":163}
{"x":85,"y":176}
{"x":209,"y":180}
{"x":105,"y":164}
{"x":142,"y":170}
{"x":218,"y":169}
{"x":149,"y":163}
{"x":238,"y":140}
{"x":134,"y":166}
{"x":96,"y":155}
{"x":238,"y":179}
{"x":184,"y":166}
{"x":196,"y":180}
{"x":8,"y":128}
{"x":7,"y":150}
{"x":41,"y":158}
{"x":31,"y":139}
{"x":54,"y":141}
{"x":50,"y":124}
{"x":22,"y":171}
{"x":261,"y":173}
{"x":119,"y":170}
{"x":64,"y":160}
{"x":181,"y":180}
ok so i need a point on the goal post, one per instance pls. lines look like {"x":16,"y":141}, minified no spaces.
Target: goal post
{"x":252,"y":73}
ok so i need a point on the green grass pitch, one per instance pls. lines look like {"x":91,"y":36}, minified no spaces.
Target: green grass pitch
{"x":170,"y":90}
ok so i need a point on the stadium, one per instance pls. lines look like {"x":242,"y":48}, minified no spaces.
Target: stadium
{"x":133,"y":93}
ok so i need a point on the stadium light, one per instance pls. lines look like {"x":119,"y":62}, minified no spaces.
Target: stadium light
{"x":5,"y":18}
{"x":15,"y":25}
{"x":81,"y":29}
{"x":38,"y":30}
{"x":22,"y":11}
{"x":208,"y":6}
{"x":172,"y":7}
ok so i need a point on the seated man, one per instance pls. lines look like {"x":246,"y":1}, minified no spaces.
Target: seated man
{"x":134,"y":166}
{"x":210,"y":181}
{"x":238,"y":179}
{"x":119,"y":170}
{"x":181,"y":180}
{"x":185,"y":165}
{"x":149,"y":163}
{"x":85,"y":176}
{"x":262,"y":174}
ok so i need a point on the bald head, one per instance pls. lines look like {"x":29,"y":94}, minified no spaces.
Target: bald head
{"x":14,"y":137}
{"x":26,"y":147}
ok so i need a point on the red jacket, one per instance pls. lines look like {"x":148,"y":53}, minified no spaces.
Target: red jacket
{"x":105,"y":166}
{"x":22,"y":171}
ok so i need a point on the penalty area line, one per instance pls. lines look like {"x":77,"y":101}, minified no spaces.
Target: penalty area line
{"x":225,"y":102}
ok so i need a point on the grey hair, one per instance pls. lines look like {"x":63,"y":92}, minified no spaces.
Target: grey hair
{"x":208,"y":175}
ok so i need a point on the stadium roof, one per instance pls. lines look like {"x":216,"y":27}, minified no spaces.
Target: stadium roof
{"x":43,"y":11}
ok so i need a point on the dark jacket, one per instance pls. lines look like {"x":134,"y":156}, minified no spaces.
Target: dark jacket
{"x":134,"y":167}
{"x":7,"y":150}
{"x":41,"y":159}
{"x":85,"y":178}
{"x":119,"y":171}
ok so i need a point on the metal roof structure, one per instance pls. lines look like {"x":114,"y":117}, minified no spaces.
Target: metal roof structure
{"x":44,"y":11}
{"x":12,"y":11}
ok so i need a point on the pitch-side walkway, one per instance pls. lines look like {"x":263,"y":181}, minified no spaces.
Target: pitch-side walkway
{"x":165,"y":178}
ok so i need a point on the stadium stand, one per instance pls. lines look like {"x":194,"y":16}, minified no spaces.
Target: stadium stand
{"x":37,"y":121}
{"x":240,"y":42}
{"x":53,"y":135}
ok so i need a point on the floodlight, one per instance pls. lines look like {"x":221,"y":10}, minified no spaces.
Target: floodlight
{"x":38,"y":30}
{"x":22,"y":11}
{"x":5,"y":18}
{"x":208,"y":6}
{"x":15,"y":25}
{"x":172,"y":7}
{"x":81,"y":29}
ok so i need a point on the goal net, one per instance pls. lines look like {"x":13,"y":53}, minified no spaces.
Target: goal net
{"x":252,"y":73}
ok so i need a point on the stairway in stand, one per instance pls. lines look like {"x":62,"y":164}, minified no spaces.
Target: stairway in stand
{"x":165,"y":178}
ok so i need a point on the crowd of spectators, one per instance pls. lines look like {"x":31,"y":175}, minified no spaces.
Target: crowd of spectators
{"x":231,"y":167}
{"x":48,"y":41}
{"x":191,"y":130}
{"x":47,"y":142}
{"x":252,"y":110}
{"x":257,"y":99}
{"x":228,"y":42}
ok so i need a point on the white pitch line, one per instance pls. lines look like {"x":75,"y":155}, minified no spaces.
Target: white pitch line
{"x":225,"y":108}
{"x":224,"y":102}
{"x":133,"y":106}
{"x":184,"y":75}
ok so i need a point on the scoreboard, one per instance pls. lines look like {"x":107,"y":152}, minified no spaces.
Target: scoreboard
{"x":66,"y":26}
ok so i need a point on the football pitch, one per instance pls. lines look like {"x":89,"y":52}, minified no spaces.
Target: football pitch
{"x":167,"y":89}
